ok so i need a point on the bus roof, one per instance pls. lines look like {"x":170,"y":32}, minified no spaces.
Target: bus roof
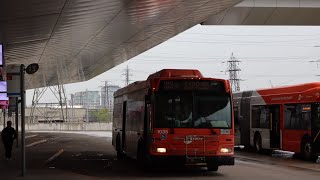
{"x":164,"y":73}
{"x":183,"y":73}
{"x":301,"y":93}
{"x":290,"y":89}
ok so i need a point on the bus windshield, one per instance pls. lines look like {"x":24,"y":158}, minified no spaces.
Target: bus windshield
{"x":192,"y":110}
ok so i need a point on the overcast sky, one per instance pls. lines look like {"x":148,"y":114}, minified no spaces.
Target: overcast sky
{"x":270,"y":56}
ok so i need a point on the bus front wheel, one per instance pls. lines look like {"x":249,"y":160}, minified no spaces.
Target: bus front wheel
{"x":120,"y":154}
{"x":144,"y":162}
{"x":212,"y":166}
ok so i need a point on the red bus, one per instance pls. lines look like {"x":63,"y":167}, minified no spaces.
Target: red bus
{"x":176,"y":115}
{"x":285,"y":118}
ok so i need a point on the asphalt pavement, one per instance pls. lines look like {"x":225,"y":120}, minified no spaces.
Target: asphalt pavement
{"x":91,"y":156}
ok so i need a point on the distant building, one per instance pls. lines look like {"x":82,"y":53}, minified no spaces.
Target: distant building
{"x":107,"y":96}
{"x":89,"y":99}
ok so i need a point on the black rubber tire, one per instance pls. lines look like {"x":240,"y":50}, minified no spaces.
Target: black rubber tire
{"x":306,"y":149}
{"x":120,"y":154}
{"x":140,"y":154}
{"x":258,"y":143}
{"x":212,"y":167}
{"x":145,"y":164}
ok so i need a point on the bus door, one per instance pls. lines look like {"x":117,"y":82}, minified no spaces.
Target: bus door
{"x":245,"y":118}
{"x":315,"y":127}
{"x":236,"y":126}
{"x":124,"y":121}
{"x":275,"y":126}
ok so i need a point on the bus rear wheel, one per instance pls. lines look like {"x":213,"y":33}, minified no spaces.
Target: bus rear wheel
{"x":258,"y":143}
{"x":306,"y":149}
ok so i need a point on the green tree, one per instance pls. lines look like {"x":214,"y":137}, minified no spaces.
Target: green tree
{"x":102,"y":115}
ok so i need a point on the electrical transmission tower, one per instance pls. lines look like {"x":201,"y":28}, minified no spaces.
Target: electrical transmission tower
{"x":233,"y":73}
{"x":105,"y":95}
{"x":49,"y":111}
{"x":127,"y":76}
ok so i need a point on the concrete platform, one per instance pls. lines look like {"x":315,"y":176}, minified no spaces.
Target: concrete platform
{"x":37,"y":156}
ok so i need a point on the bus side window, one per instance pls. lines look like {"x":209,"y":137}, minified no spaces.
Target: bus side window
{"x":298,"y":116}
{"x":316,"y":115}
{"x":317,"y":123}
{"x":260,"y":117}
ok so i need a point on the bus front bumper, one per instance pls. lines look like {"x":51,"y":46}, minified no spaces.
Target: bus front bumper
{"x":217,"y":160}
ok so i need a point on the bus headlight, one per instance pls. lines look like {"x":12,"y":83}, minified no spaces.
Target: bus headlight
{"x":161,"y":150}
{"x":226,"y":150}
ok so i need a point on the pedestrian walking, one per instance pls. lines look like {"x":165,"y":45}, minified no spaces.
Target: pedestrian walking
{"x":8,"y":134}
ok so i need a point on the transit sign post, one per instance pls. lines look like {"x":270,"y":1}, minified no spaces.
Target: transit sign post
{"x":23,"y":140}
{"x":16,"y":89}
{"x":31,"y":69}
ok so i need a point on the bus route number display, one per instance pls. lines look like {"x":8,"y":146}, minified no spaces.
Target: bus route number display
{"x":190,"y":85}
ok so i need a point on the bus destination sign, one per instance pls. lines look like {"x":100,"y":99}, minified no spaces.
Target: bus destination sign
{"x":191,"y":85}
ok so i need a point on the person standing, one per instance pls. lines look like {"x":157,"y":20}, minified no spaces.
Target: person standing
{"x":8,"y":134}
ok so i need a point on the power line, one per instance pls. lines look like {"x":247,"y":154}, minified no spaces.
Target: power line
{"x":265,"y":43}
{"x":224,"y":57}
{"x":259,"y":41}
{"x":257,"y":35}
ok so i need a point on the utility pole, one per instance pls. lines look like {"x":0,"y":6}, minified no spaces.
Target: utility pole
{"x":87,"y":105}
{"x":233,"y":73}
{"x":72,"y":109}
{"x":127,"y":76}
{"x":105,"y":94}
{"x":60,"y":102}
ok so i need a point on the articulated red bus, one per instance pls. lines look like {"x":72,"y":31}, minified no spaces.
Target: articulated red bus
{"x":175,"y":115}
{"x":285,"y":118}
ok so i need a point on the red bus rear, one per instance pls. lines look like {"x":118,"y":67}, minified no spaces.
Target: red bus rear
{"x":175,"y":115}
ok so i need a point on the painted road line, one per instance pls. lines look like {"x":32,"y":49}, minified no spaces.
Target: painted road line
{"x":53,"y":157}
{"x":31,"y":136}
{"x":36,"y":143}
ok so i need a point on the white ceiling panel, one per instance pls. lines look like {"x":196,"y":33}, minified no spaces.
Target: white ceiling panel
{"x":75,"y":40}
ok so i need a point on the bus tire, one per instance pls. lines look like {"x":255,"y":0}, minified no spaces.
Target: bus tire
{"x":120,"y":154}
{"x":140,"y":153}
{"x":212,"y":166}
{"x":306,"y":149}
{"x":257,"y":142}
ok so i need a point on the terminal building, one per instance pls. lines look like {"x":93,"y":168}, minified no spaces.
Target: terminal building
{"x":90,"y":99}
